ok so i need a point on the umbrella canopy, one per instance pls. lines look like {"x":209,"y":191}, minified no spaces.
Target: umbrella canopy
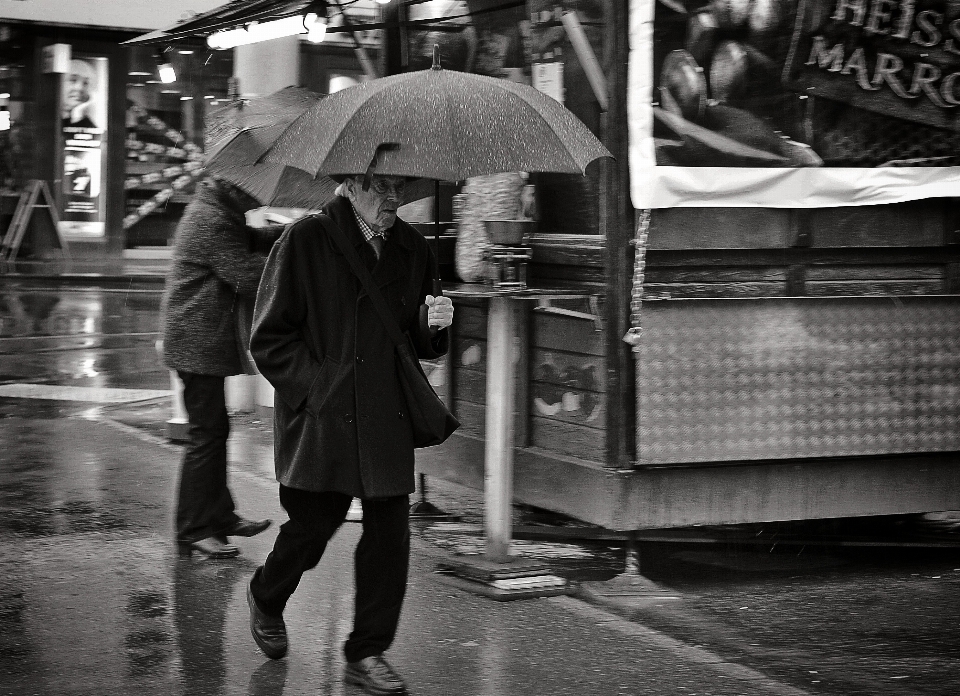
{"x":280,"y":108}
{"x":436,"y":124}
{"x":240,"y":133}
{"x":243,"y":127}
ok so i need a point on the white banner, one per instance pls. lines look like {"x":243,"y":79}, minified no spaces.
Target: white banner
{"x":796,"y":186}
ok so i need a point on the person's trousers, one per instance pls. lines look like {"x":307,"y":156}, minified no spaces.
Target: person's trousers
{"x":205,"y":507}
{"x":381,"y":561}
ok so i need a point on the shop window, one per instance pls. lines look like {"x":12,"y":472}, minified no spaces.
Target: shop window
{"x":165,"y":134}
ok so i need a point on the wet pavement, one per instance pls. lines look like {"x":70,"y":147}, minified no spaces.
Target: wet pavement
{"x":93,"y":599}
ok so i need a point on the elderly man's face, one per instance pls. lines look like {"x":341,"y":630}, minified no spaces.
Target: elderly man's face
{"x":378,"y":204}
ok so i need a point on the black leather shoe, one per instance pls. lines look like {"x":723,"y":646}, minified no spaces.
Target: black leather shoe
{"x":269,"y":632}
{"x":247,"y":528}
{"x":211,"y":547}
{"x":375,"y":676}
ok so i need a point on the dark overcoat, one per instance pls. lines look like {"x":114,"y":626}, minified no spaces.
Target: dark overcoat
{"x":213,"y":272}
{"x":340,"y":421}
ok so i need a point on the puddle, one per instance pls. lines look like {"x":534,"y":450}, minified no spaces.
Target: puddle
{"x":147,"y":604}
{"x":74,"y":517}
{"x":147,"y":651}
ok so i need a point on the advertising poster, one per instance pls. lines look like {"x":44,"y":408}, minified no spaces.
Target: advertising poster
{"x":794,"y":103}
{"x":83,"y":118}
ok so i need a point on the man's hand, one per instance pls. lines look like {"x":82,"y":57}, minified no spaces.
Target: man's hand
{"x":439,"y":312}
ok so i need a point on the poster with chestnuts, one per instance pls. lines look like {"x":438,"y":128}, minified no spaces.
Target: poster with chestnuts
{"x":805,"y":83}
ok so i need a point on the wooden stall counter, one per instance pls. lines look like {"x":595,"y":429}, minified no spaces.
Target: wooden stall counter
{"x":506,"y":336}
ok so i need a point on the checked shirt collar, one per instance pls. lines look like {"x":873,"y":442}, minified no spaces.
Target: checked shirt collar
{"x":365,"y":229}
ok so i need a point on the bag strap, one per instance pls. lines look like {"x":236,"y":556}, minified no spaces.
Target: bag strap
{"x":360,"y":270}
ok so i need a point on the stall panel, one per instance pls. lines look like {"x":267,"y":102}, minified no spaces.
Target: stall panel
{"x":732,"y":380}
{"x":567,"y":383}
{"x":469,"y":351}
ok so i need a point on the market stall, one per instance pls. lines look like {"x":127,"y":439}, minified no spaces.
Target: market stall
{"x":794,"y":334}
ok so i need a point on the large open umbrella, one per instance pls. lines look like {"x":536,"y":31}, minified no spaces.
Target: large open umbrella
{"x":239,"y":134}
{"x":436,"y":124}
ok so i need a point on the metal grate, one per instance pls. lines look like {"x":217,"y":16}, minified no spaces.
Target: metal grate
{"x":851,"y":137}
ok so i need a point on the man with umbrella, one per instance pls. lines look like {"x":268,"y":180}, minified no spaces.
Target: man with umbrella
{"x":339,"y":418}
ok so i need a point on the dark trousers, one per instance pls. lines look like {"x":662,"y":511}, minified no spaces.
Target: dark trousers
{"x":204,"y":505}
{"x":381,"y":560}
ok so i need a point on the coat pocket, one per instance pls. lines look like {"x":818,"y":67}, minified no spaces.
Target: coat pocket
{"x":323,"y":386}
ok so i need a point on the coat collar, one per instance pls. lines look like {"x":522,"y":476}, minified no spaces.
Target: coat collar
{"x":341,"y":211}
{"x":390,"y":268}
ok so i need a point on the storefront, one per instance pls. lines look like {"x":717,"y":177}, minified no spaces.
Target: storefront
{"x":66,"y":123}
{"x":119,"y":147}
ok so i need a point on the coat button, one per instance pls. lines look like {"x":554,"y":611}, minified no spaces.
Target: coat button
{"x":347,"y":417}
{"x":359,"y":359}
{"x":399,"y":414}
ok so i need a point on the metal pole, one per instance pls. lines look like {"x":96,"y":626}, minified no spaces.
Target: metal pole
{"x":498,"y":452}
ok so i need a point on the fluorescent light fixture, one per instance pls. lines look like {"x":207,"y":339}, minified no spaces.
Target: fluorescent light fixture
{"x":138,"y":73}
{"x":4,"y":95}
{"x":187,"y":98}
{"x":167,"y":73}
{"x":383,"y":2}
{"x":185,"y":51}
{"x":313,"y":25}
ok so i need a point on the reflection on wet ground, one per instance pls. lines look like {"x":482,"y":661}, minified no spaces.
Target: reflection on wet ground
{"x":83,"y":337}
{"x":89,"y":311}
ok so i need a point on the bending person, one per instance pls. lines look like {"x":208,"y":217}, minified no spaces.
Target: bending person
{"x":216,"y":269}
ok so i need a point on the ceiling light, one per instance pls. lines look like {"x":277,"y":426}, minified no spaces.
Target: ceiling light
{"x":256,"y":32}
{"x":312,"y":24}
{"x":167,"y":73}
{"x":316,"y":27}
{"x":165,"y":69}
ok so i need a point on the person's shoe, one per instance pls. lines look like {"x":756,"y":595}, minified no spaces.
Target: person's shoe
{"x":247,"y":528}
{"x":211,"y":547}
{"x":375,"y":676}
{"x":269,"y":632}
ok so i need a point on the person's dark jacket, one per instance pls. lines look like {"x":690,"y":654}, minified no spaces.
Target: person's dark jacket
{"x":212,"y":274}
{"x":340,"y":421}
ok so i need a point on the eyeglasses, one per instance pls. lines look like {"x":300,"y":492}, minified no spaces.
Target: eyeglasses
{"x":384,"y":186}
